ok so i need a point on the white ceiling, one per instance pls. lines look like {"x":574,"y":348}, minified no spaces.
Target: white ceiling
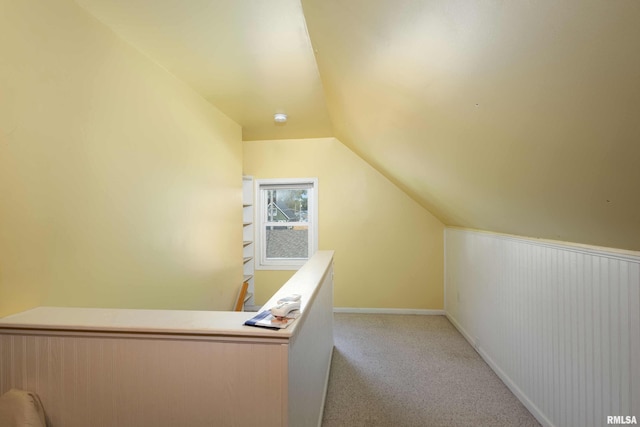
{"x":250,"y":58}
{"x":512,"y":116}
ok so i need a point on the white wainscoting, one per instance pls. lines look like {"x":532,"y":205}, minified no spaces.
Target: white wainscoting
{"x":559,"y":323}
{"x":108,"y":381}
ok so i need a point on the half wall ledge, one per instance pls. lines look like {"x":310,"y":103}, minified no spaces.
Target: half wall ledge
{"x":119,"y":367}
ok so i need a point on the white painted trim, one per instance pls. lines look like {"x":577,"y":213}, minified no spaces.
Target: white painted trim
{"x":539,"y":311}
{"x":531,"y":407}
{"x":462,"y":331}
{"x":601,"y":251}
{"x":389,"y":311}
{"x":515,"y":390}
{"x":260,"y":242}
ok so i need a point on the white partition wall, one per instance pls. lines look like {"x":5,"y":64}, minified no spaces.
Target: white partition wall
{"x":123,"y":367}
{"x":310,"y":360}
{"x":560,"y":324}
{"x":107,"y":381}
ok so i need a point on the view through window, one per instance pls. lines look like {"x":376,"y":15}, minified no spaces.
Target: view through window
{"x":287,"y":221}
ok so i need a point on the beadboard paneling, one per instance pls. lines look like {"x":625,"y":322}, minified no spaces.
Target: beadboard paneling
{"x":96,"y":381}
{"x":559,"y":323}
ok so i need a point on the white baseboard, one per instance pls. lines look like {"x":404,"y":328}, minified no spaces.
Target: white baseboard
{"x":388,"y":311}
{"x":460,"y":329}
{"x":535,"y":411}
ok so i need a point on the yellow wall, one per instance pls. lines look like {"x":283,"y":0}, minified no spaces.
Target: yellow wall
{"x":120,"y":187}
{"x":389,"y":249}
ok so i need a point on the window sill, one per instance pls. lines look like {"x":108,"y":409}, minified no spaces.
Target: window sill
{"x":278,"y":267}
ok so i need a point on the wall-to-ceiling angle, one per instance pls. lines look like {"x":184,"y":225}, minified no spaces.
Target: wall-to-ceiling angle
{"x":514,"y":117}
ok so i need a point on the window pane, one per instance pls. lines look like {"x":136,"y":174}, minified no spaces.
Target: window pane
{"x":287,"y":241}
{"x":287,"y":205}
{"x":287,"y":222}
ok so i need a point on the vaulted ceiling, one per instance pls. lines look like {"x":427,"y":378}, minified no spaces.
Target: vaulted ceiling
{"x":512,"y":116}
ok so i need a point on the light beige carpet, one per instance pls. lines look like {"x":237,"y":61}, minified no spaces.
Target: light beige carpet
{"x":404,"y":370}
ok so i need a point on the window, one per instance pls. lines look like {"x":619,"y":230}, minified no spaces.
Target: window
{"x":287,"y":220}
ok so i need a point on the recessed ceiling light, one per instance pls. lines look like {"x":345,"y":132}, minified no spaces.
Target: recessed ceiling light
{"x":280,"y":117}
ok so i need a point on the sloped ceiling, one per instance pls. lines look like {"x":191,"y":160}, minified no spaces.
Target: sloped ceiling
{"x":511,"y":116}
{"x":250,"y":58}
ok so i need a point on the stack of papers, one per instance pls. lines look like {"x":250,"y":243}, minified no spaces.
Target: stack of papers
{"x":265,"y":319}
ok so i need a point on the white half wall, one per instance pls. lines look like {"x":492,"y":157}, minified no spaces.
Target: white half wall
{"x":560,"y":324}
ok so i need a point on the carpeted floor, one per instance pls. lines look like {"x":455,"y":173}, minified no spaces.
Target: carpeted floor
{"x":404,"y":370}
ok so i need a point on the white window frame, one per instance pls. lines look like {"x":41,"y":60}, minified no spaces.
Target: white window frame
{"x":262,"y":263}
